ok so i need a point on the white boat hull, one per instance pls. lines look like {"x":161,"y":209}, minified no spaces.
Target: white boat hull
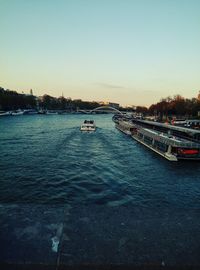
{"x":87,"y":129}
{"x":127,"y":132}
{"x":5,"y":114}
{"x":17,"y":113}
{"x":166,"y":155}
{"x":88,"y":126}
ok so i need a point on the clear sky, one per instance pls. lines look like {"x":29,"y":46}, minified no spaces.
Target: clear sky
{"x":126,"y":51}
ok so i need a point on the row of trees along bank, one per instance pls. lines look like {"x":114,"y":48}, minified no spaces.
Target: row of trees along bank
{"x":11,"y":100}
{"x":62,"y":103}
{"x":166,"y":107}
{"x":176,"y":106}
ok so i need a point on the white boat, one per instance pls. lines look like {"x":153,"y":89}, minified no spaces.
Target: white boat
{"x":30,"y":112}
{"x":51,"y":112}
{"x":18,"y":112}
{"x":5,"y":113}
{"x":88,"y":125}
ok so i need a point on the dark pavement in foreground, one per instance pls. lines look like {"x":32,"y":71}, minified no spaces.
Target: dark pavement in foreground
{"x":98,"y":237}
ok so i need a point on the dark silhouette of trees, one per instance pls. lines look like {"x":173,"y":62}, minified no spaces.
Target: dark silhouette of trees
{"x":166,"y":108}
{"x":177,"y":106}
{"x":11,"y":100}
{"x":48,"y":102}
{"x":62,"y":103}
{"x":141,"y":109}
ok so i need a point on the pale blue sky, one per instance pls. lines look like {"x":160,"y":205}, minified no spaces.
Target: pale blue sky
{"x":126,"y":51}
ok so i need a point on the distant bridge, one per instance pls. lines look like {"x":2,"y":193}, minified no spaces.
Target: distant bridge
{"x":101,"y":109}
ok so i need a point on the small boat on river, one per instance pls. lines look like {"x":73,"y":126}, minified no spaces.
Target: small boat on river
{"x":17,"y":112}
{"x":51,"y":112}
{"x":88,"y":125}
{"x":2,"y":113}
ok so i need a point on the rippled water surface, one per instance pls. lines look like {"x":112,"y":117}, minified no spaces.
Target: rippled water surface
{"x":103,"y":196}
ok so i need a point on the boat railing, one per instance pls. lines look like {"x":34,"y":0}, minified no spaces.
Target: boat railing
{"x":173,"y":141}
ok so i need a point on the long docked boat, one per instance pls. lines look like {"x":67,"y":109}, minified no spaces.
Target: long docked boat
{"x":167,"y":145}
{"x":125,"y":127}
{"x":181,"y":132}
{"x":171,"y":147}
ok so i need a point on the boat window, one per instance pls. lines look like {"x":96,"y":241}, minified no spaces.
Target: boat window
{"x":160,"y":146}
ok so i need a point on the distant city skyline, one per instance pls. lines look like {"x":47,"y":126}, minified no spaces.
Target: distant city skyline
{"x":128,"y":52}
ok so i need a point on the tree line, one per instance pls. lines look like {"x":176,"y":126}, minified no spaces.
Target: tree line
{"x":177,"y":106}
{"x":165,"y":108}
{"x":62,"y":103}
{"x":11,"y":100}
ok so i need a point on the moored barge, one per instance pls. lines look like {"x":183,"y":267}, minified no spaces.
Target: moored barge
{"x":168,"y":146}
{"x":171,"y":147}
{"x":125,"y":127}
{"x":181,"y":132}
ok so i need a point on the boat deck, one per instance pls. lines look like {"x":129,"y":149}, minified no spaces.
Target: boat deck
{"x":169,"y":139}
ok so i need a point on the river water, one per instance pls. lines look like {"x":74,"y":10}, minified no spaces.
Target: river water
{"x":100,"y":198}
